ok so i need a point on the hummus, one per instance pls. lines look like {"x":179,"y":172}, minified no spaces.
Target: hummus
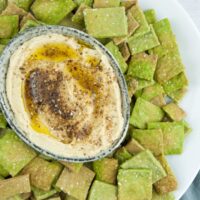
{"x":65,"y":96}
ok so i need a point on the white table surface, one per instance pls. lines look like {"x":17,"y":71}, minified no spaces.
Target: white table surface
{"x":193,"y":8}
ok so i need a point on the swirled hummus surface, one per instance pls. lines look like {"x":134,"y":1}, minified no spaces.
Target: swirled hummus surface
{"x":65,"y":96}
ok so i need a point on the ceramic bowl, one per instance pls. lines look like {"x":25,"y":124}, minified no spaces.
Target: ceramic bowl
{"x":81,"y":36}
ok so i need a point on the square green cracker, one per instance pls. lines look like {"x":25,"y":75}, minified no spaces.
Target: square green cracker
{"x":42,"y":173}
{"x":146,"y":160}
{"x":174,"y":111}
{"x":152,"y":91}
{"x":142,"y":66}
{"x":169,"y":183}
{"x":106,"y":170}
{"x":106,"y":22}
{"x":8,"y":25}
{"x":176,"y":83}
{"x":140,"y":43}
{"x":122,"y":155}
{"x":134,"y":184}
{"x":132,"y":27}
{"x":14,"y":186}
{"x":145,"y":112}
{"x":134,"y":147}
{"x":57,"y":10}
{"x":150,"y":139}
{"x":139,"y":16}
{"x":100,"y":190}
{"x":117,"y":55}
{"x":78,"y":17}
{"x":14,"y":154}
{"x":168,"y":67}
{"x":76,"y":184}
{"x":173,"y":136}
{"x":106,"y":3}
{"x":142,"y":83}
{"x":150,"y":16}
{"x":166,"y":37}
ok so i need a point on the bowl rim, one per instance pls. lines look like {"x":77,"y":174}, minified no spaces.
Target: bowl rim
{"x":71,"y":32}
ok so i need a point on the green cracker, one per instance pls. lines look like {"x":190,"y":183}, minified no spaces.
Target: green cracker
{"x":156,"y":196}
{"x":106,"y":22}
{"x":134,"y":184}
{"x":42,"y":173}
{"x":86,"y":2}
{"x":166,"y":37}
{"x":8,"y":26}
{"x":134,"y":147}
{"x":57,"y":10}
{"x":178,"y":95}
{"x":176,"y":83}
{"x":14,"y":154}
{"x":132,"y":27}
{"x":174,"y":111}
{"x":101,"y":190}
{"x":76,"y":184}
{"x":14,"y":186}
{"x":173,"y":136}
{"x":41,"y":194}
{"x":138,"y":14}
{"x":74,"y":167}
{"x":78,"y":17}
{"x":168,"y":67}
{"x":25,"y":4}
{"x":118,"y":56}
{"x":122,"y":155}
{"x":150,"y":139}
{"x":140,"y":43}
{"x":169,"y":183}
{"x":106,"y":3}
{"x":142,"y":66}
{"x":145,"y":112}
{"x":106,"y":170}
{"x":146,"y":160}
{"x":150,"y":16}
{"x":152,"y":91}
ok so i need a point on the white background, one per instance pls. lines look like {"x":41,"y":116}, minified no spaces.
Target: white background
{"x":193,"y":8}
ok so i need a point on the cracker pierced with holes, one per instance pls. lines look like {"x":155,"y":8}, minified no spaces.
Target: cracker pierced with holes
{"x":150,"y":16}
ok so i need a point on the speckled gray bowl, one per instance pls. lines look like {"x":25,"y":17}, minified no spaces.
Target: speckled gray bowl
{"x":6,"y":108}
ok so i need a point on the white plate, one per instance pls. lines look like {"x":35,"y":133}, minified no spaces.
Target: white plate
{"x":187,"y":165}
